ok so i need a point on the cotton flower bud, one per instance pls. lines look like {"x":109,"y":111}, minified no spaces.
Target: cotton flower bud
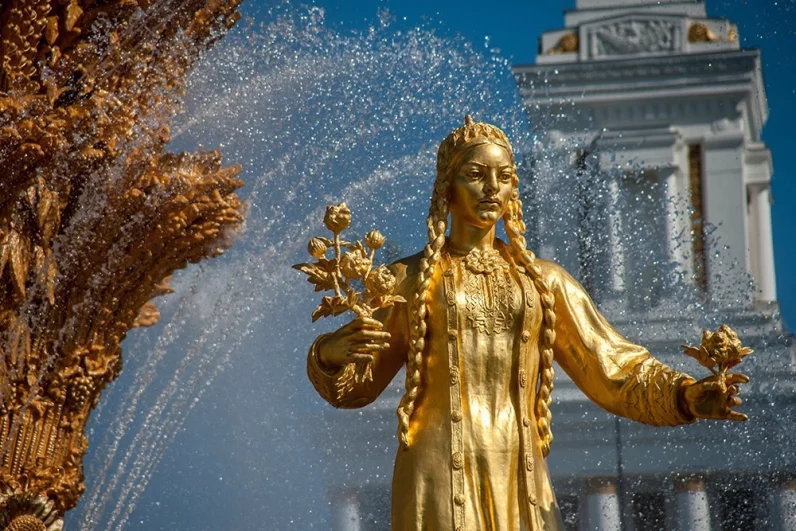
{"x":316,"y":248}
{"x":374,"y":239}
{"x":380,"y":281}
{"x":337,"y":218}
{"x":354,"y":264}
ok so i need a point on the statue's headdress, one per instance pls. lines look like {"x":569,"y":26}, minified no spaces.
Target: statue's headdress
{"x":470,"y":134}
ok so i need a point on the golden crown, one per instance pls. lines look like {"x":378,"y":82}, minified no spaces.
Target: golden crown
{"x":469,"y":135}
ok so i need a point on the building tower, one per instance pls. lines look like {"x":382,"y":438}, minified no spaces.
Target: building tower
{"x":656,"y":113}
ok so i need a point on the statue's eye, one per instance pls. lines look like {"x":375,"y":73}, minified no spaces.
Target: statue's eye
{"x":474,"y":174}
{"x":505,"y":177}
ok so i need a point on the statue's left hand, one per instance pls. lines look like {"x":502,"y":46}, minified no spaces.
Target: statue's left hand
{"x":708,"y":399}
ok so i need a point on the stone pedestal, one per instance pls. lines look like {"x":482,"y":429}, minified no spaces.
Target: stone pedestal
{"x":602,"y":505}
{"x":693,"y":511}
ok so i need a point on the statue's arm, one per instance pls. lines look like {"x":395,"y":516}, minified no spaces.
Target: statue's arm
{"x":338,"y":385}
{"x":618,"y":375}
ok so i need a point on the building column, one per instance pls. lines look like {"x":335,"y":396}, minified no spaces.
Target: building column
{"x":615,"y":245}
{"x":345,"y":512}
{"x":761,"y":201}
{"x":693,"y":511}
{"x":602,"y":505}
{"x":786,"y":498}
{"x":674,"y":220}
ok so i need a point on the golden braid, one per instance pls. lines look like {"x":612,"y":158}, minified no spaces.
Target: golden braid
{"x":515,"y":229}
{"x":436,"y":222}
{"x":455,"y":145}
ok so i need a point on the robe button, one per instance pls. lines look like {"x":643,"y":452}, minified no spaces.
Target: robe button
{"x":452,"y":334}
{"x":526,"y":422}
{"x":459,"y":499}
{"x":456,"y":416}
{"x":458,"y":461}
{"x":532,"y":499}
{"x":523,"y":378}
{"x":451,"y":298}
{"x":521,"y":270}
{"x":526,"y":336}
{"x":454,"y":376}
{"x":529,"y":300}
{"x":449,"y":273}
{"x":529,"y":462}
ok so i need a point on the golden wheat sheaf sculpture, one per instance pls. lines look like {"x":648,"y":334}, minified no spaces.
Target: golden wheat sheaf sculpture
{"x":94,"y":216}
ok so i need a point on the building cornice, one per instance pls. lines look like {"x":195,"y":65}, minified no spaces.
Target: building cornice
{"x":735,"y":72}
{"x":663,"y":66}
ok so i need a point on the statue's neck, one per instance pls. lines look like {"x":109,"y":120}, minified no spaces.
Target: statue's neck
{"x":465,"y":237}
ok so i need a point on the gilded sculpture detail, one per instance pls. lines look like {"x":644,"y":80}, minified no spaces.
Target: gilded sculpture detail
{"x":482,"y":324}
{"x":344,"y":270}
{"x":568,"y":43}
{"x":700,"y":32}
{"x":719,"y":352}
{"x":488,"y":292}
{"x":94,"y":217}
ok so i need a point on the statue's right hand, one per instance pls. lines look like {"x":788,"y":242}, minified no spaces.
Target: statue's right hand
{"x":355,"y":342}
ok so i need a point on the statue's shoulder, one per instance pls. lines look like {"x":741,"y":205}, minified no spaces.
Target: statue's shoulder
{"x":559,"y":279}
{"x":406,"y":269}
{"x":554,"y":273}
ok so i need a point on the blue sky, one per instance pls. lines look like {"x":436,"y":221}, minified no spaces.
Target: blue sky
{"x":513,"y":27}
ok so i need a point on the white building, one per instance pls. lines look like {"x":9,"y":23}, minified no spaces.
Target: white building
{"x":653,"y":101}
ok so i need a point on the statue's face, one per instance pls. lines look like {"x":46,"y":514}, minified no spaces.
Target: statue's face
{"x":482,"y":186}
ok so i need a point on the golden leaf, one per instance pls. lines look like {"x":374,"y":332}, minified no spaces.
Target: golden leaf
{"x":39,"y":407}
{"x":738,"y":357}
{"x":51,"y":33}
{"x":100,"y":365}
{"x":19,"y":344}
{"x":51,"y":275}
{"x":352,"y":297}
{"x":163,"y":287}
{"x":701,"y":355}
{"x":73,"y":12}
{"x":147,"y":315}
{"x":316,"y":275}
{"x":19,"y":261}
{"x":43,"y":207}
{"x":5,"y":250}
{"x":329,"y":306}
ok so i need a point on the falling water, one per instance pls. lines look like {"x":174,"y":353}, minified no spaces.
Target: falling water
{"x":210,"y":424}
{"x":315,"y":116}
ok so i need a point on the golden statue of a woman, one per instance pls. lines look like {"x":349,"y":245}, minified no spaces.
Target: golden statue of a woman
{"x":482,"y":325}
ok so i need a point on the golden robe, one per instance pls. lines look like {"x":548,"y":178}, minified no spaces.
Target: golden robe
{"x":474,"y":461}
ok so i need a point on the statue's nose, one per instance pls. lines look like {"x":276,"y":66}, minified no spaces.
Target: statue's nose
{"x":491,"y":182}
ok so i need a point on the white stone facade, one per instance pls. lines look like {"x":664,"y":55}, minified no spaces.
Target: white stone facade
{"x":655,"y":98}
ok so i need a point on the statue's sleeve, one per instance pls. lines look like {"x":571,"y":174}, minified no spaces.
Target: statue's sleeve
{"x":339,"y":387}
{"x":618,"y":375}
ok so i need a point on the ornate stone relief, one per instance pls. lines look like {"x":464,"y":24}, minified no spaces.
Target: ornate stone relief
{"x":634,"y":37}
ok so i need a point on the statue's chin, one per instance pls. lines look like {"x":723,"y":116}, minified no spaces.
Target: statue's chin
{"x":489,"y":218}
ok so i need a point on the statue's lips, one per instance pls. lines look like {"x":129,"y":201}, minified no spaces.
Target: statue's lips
{"x":489,"y":203}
